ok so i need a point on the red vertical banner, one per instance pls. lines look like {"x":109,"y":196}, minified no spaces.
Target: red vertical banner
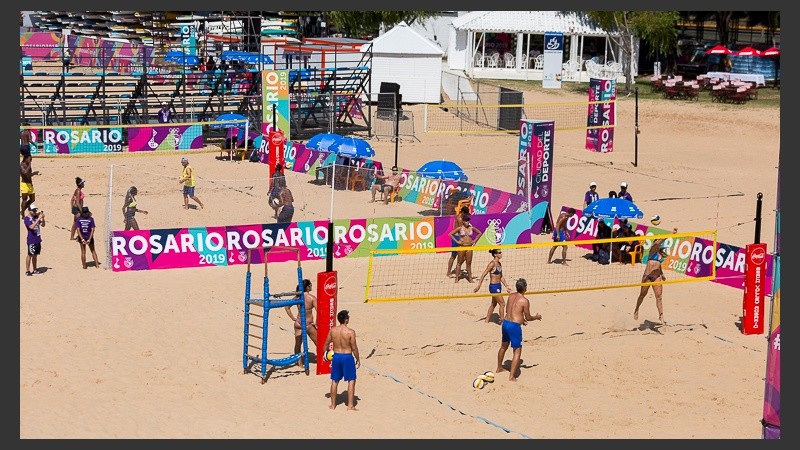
{"x":327,"y":290}
{"x":277,"y":143}
{"x":755,"y":266}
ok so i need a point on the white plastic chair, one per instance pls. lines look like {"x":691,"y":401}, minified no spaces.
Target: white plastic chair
{"x":494,"y":60}
{"x":508,"y":60}
{"x":479,"y":61}
{"x":538,"y":62}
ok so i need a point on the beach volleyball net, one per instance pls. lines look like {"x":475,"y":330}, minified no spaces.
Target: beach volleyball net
{"x":478,"y":118}
{"x":421,"y":274}
{"x":140,"y":139}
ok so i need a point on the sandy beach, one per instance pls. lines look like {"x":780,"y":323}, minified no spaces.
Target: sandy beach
{"x":158,"y":353}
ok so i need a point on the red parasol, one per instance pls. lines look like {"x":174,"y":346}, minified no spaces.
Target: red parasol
{"x":748,"y":51}
{"x":719,"y":50}
{"x":772,"y":51}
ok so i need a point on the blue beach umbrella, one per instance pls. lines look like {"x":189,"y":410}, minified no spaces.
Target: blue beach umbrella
{"x":443,"y":170}
{"x":611,"y":207}
{"x":322,"y":141}
{"x":352,"y":147}
{"x":228,"y":116}
{"x":181,"y":58}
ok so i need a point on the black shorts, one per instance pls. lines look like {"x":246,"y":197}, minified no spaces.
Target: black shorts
{"x":89,"y":242}
{"x":286,"y":214}
{"x":75,"y":210}
{"x":34,"y":249}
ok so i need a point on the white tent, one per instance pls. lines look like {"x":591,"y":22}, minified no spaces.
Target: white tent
{"x":403,"y":56}
{"x":520,"y":34}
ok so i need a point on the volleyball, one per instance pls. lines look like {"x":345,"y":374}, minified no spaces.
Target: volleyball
{"x":655,"y":220}
{"x":276,"y":201}
{"x":478,"y":383}
{"x":487,"y":376}
{"x":328,"y":356}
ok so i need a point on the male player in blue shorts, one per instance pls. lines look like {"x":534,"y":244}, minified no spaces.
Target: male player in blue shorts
{"x":518,"y":313}
{"x":560,"y":235}
{"x":345,"y":359}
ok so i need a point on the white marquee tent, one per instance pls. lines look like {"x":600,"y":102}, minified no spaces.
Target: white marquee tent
{"x":403,"y":56}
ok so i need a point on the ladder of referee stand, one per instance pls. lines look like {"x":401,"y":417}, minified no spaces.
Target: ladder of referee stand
{"x":259,"y":319}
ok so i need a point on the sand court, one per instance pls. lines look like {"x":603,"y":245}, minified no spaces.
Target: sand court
{"x":158,"y":353}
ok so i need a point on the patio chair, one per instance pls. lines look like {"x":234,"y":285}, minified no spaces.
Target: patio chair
{"x":479,"y":60}
{"x":538,"y":62}
{"x":508,"y":60}
{"x":494,"y":60}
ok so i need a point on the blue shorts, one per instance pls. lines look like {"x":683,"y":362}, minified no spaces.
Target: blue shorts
{"x":343,"y":365}
{"x":188,"y":190}
{"x":512,"y":332}
{"x":495,"y":288}
{"x":559,"y":236}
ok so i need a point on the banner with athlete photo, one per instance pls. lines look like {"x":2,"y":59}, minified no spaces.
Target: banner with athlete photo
{"x":602,"y":117}
{"x":230,"y":245}
{"x":691,"y":256}
{"x":150,"y":138}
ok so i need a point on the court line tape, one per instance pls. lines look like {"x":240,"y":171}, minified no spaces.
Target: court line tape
{"x":481,"y":418}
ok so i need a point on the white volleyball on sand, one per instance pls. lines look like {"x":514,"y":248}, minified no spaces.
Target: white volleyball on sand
{"x":478,"y":383}
{"x":487,"y":376}
{"x":655,"y":220}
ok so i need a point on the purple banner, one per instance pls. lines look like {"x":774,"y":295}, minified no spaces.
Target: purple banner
{"x":772,"y":385}
{"x":150,"y":138}
{"x":601,"y":117}
{"x":230,"y":245}
{"x":688,"y":255}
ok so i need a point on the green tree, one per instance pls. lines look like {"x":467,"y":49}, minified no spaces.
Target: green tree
{"x":657,"y":27}
{"x":359,"y":24}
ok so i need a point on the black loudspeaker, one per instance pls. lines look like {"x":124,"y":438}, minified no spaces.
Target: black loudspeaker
{"x":508,"y":118}
{"x":387,"y":87}
{"x":390,"y":99}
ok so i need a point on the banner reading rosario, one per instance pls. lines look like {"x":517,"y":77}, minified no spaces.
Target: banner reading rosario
{"x":691,"y":256}
{"x":229,"y":245}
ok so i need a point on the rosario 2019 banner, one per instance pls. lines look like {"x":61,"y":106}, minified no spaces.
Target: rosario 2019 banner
{"x":275,"y":91}
{"x":229,"y":245}
{"x":689,"y":256}
{"x":602,"y":117}
{"x":77,"y":140}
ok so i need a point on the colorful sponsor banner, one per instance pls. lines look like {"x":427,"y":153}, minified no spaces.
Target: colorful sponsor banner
{"x":541,"y":161}
{"x":150,"y":138}
{"x":188,"y":34}
{"x":691,"y":256}
{"x":78,"y":140}
{"x":230,"y":245}
{"x":753,"y":298}
{"x":276,"y":149}
{"x":552,"y":59}
{"x":772,"y":386}
{"x":84,"y":51}
{"x":496,"y":229}
{"x":41,"y":45}
{"x":327,"y":299}
{"x":275,"y":91}
{"x":601,"y":117}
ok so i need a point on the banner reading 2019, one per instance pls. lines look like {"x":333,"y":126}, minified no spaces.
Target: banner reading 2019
{"x":602,"y":117}
{"x":229,"y":245}
{"x":275,"y":91}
